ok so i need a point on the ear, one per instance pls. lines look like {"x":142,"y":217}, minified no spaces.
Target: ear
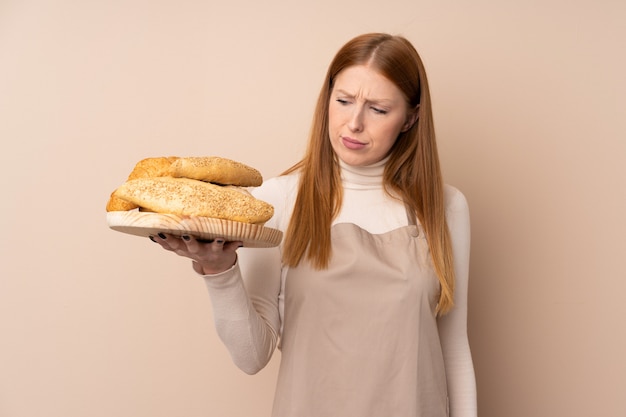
{"x":411,"y":119}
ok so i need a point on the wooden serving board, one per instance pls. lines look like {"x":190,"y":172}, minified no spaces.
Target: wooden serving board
{"x":144,"y":224}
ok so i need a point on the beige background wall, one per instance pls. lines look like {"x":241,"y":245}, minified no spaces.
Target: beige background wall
{"x":529,"y":102}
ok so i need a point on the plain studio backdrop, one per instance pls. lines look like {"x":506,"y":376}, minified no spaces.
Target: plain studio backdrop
{"x":530,"y":115}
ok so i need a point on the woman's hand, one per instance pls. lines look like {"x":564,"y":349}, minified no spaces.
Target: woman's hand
{"x":209,"y":256}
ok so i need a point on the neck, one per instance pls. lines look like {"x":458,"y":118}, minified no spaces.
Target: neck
{"x":370,"y":176}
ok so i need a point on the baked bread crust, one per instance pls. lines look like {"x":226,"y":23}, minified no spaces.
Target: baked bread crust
{"x":189,"y":197}
{"x":146,"y":168}
{"x":118,"y":204}
{"x":216,"y":170}
{"x":152,"y":167}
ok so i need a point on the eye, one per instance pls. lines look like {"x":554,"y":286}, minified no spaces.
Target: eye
{"x":378,"y":110}
{"x":342,"y":101}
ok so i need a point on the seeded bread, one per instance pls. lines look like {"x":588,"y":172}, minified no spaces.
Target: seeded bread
{"x":217,"y":170}
{"x":190,"y":197}
{"x":146,"y":168}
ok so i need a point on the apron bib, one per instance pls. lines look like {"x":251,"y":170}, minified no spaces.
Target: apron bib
{"x":360,"y":338}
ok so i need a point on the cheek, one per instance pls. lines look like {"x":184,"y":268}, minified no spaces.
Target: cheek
{"x":335,"y":125}
{"x":334,"y":117}
{"x":331,"y":127}
{"x":390,"y":132}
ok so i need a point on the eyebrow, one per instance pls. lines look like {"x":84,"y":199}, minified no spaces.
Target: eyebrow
{"x":367,"y":100}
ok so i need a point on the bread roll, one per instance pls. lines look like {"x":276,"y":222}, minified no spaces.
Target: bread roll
{"x":152,"y":167}
{"x":216,"y":170}
{"x":146,"y":168}
{"x":188,"y":197}
{"x":117,"y":204}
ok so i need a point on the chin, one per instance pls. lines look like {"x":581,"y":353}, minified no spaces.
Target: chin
{"x":356,"y":162}
{"x":355,"y":159}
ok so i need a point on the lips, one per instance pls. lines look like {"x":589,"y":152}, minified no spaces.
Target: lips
{"x":351,"y":143}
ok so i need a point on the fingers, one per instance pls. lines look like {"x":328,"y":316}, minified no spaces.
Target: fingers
{"x":233,"y":246}
{"x":168,"y":242}
{"x":194,"y":246}
{"x":209,"y":256}
{"x":221,"y":245}
{"x":216,"y":245}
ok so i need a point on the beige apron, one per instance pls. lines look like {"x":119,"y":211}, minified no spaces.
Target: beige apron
{"x":360,"y":338}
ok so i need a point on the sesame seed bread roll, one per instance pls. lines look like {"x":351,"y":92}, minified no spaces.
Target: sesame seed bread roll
{"x":146,"y":168}
{"x":188,"y":197}
{"x":216,"y":170}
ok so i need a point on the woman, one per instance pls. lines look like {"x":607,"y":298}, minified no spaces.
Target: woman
{"x":367,"y":294}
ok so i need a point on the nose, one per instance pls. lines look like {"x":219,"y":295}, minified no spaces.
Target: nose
{"x":355,"y":124}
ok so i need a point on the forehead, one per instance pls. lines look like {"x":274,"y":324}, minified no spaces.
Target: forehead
{"x":363,"y":81}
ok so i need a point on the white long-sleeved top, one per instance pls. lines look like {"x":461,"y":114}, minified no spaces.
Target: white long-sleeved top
{"x":247,"y":299}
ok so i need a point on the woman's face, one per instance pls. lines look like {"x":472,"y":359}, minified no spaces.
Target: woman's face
{"x":366,"y":114}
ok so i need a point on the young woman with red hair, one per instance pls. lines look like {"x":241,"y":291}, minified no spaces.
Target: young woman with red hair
{"x":366,"y":297}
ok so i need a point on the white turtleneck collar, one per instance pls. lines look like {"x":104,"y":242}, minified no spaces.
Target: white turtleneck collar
{"x":363,"y":177}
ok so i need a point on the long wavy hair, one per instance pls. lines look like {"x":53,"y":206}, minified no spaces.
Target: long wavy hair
{"x":412,"y":172}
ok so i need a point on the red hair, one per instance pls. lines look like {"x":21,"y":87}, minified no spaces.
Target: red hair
{"x":413,"y":172}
